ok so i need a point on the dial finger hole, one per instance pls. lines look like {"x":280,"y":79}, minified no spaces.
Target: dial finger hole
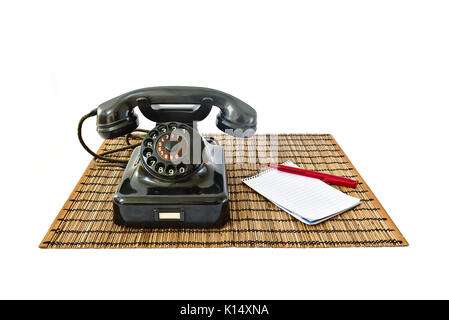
{"x":148,"y":143}
{"x":171,"y":170}
{"x":153,"y":134}
{"x":160,"y":168}
{"x":147,"y":152}
{"x":151,"y":161}
{"x":181,"y":169}
{"x":162,"y":128}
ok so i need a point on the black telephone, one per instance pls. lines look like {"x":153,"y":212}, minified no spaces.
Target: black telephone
{"x":175,"y":177}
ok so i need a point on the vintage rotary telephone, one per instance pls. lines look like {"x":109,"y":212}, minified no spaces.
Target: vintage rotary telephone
{"x":175,"y":177}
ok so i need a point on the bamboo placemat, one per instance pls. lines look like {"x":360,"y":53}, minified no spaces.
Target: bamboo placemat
{"x":85,"y":220}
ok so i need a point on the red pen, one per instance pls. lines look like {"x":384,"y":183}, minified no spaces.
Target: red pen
{"x":328,"y":178}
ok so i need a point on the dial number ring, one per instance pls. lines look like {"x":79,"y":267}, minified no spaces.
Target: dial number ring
{"x":164,"y":150}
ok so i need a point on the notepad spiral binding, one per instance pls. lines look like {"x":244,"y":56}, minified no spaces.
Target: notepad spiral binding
{"x":265,"y":171}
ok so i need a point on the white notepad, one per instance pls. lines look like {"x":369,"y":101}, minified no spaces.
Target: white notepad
{"x":309,"y":200}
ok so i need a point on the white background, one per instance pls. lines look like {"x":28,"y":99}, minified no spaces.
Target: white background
{"x":375,"y":74}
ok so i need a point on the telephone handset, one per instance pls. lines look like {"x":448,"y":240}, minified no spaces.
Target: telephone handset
{"x":116,"y":117}
{"x":167,"y":182}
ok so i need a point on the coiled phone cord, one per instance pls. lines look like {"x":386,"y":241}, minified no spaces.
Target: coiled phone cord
{"x":109,"y":161}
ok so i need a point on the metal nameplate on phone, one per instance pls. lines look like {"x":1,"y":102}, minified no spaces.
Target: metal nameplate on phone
{"x":169,"y":214}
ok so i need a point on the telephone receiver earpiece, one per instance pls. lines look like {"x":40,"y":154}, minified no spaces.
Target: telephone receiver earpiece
{"x":116,"y":117}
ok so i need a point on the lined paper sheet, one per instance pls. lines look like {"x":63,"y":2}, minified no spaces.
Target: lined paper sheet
{"x":307,"y":199}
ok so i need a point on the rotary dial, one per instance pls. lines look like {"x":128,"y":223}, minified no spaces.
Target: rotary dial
{"x":165,"y":150}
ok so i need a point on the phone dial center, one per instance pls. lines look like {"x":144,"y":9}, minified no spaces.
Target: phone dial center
{"x":170,"y":147}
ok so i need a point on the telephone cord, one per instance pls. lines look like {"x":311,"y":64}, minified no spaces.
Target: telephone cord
{"x":109,"y":161}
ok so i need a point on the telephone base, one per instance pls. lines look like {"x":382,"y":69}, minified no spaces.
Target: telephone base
{"x":183,"y":216}
{"x":199,"y":200}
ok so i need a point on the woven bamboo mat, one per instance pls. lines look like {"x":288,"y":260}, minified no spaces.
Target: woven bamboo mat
{"x":85,"y":221}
